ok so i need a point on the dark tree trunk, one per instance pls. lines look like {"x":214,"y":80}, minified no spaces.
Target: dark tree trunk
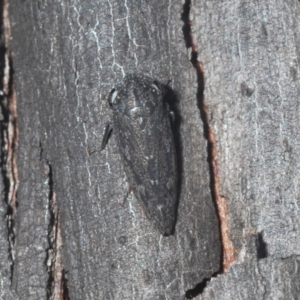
{"x":66,"y":233}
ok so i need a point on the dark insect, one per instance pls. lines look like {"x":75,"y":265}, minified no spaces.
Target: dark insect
{"x":142,"y":125}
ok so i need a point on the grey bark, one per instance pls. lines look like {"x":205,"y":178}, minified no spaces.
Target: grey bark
{"x":67,"y":57}
{"x":236,"y":112}
{"x":250,"y":52}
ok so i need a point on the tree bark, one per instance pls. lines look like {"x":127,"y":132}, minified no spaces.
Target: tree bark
{"x":250,"y":53}
{"x":66,"y":233}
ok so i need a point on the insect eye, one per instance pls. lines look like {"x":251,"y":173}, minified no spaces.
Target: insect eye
{"x":135,"y":110}
{"x":113,"y":95}
{"x":155,"y":88}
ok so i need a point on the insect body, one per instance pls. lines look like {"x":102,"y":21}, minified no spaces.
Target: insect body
{"x":142,"y":124}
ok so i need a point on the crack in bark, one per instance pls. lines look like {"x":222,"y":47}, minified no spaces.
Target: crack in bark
{"x":261,"y":246}
{"x":9,"y":133}
{"x":199,"y":288}
{"x":220,"y":202}
{"x":52,"y":231}
{"x":57,"y":283}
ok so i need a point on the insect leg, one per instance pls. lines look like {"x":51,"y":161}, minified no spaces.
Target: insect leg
{"x":107,"y":133}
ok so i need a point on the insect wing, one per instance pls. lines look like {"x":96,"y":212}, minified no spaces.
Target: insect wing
{"x":149,"y":157}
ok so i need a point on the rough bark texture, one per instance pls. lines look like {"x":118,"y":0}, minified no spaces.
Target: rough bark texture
{"x":234,"y":89}
{"x":249,"y":51}
{"x":67,"y":57}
